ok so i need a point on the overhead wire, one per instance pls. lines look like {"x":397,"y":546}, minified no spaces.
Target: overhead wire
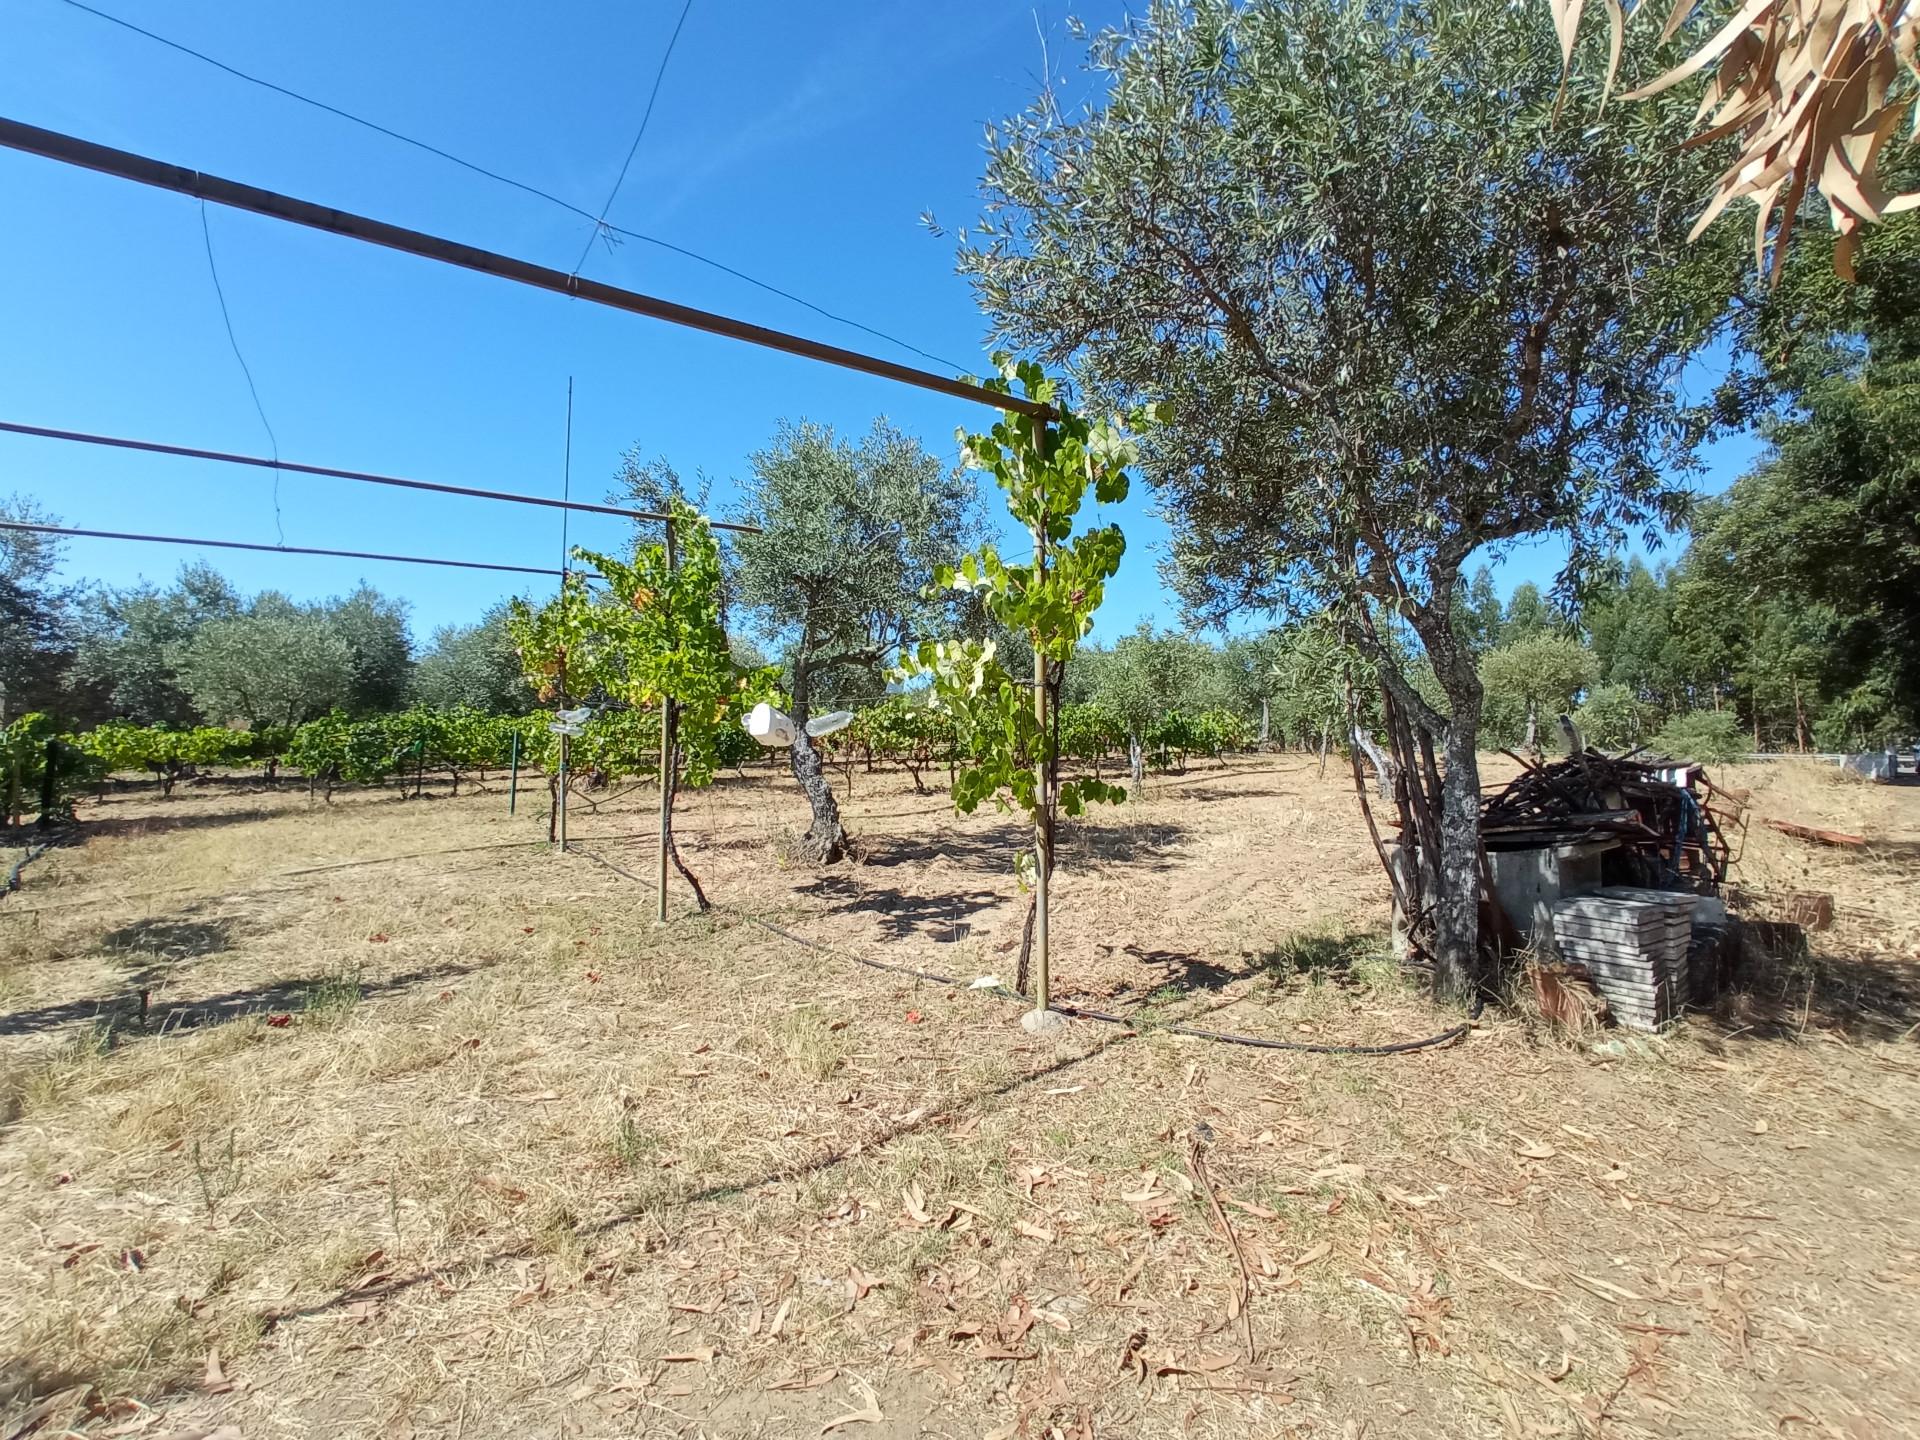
{"x":188,"y":452}
{"x":71,"y":530}
{"x":602,"y":224}
{"x":213,"y":269}
{"x":659,"y":75}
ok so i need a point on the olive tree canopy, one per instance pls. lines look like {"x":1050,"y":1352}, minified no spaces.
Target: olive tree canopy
{"x":1408,"y":299}
{"x":850,"y":536}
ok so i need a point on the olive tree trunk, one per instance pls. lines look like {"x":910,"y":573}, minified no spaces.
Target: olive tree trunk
{"x":1439,"y":809}
{"x":827,"y":839}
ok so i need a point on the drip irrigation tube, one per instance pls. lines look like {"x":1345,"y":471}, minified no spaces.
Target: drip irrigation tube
{"x":34,"y":852}
{"x":1080,"y":1012}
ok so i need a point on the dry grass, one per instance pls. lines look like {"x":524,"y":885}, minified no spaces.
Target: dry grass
{"x":518,"y":1163}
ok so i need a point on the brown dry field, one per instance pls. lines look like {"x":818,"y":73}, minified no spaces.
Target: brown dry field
{"x":460,"y":1144}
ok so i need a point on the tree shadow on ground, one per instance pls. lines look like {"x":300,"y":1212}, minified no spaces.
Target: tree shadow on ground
{"x":991,"y":851}
{"x":1180,"y":970}
{"x":942,"y":914}
{"x":1893,"y":852}
{"x":120,"y":826}
{"x":152,"y":949}
{"x":1778,"y":986}
{"x":128,"y":1014}
{"x":921,"y":1121}
{"x":1209,"y":797}
{"x":1137,"y":844}
{"x":942,"y":918}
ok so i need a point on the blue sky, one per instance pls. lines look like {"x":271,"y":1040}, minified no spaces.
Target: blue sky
{"x":799,"y":143}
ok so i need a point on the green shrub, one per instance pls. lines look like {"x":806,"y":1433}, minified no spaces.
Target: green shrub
{"x":1614,"y":718}
{"x":1704,"y":735}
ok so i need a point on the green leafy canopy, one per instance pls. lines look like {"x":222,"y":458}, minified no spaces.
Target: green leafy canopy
{"x":1045,"y":469}
{"x":656,"y":638}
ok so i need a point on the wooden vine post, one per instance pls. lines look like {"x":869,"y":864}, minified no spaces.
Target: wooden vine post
{"x":667,"y":718}
{"x":1006,"y":728}
{"x":655,"y":641}
{"x":560,"y":797}
{"x":1043,"y":775}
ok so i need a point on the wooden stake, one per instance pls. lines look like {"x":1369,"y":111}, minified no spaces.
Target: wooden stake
{"x":1042,"y":781}
{"x":666,"y":764}
{"x":1042,"y":836}
{"x":560,"y":799}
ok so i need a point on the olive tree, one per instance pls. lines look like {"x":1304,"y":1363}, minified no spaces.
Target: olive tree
{"x":277,"y":666}
{"x":850,"y":537}
{"x":1530,"y":681}
{"x":1406,"y":300}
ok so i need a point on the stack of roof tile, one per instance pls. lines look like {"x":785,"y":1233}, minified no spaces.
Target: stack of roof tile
{"x":1633,"y":943}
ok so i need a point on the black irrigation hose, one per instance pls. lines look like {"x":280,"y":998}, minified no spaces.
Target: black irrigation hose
{"x":1078,"y":1012}
{"x":34,"y":852}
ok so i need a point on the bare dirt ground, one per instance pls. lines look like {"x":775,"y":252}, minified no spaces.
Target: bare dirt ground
{"x":461,"y":1144}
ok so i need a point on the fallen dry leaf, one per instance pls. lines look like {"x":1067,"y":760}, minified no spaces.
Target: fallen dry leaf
{"x":213,"y":1379}
{"x":805,"y":1382}
{"x":1525,"y":1284}
{"x":869,"y":1414}
{"x":1034,"y":1232}
{"x":1355,"y":1173}
{"x":780,"y":1318}
{"x":860,"y":1285}
{"x":1313,"y":1253}
{"x":1534,"y":1149}
{"x":1202,"y":1364}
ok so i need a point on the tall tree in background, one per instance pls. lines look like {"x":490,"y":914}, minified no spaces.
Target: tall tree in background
{"x":1528,"y":682}
{"x":35,"y":629}
{"x":1630,"y":622}
{"x":1145,"y":675}
{"x":850,"y":537}
{"x":1247,"y":681}
{"x":1478,"y":615}
{"x":373,"y":627}
{"x":1830,"y":518}
{"x":474,"y":665}
{"x":277,"y":665}
{"x":1406,"y":298}
{"x":1527,"y":614}
{"x":132,"y":640}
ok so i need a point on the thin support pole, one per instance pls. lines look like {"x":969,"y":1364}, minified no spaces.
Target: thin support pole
{"x":513,"y":774}
{"x":560,"y":798}
{"x":49,"y":782}
{"x":667,"y":718}
{"x":566,"y":740}
{"x":1042,"y":825}
{"x":1042,"y":778}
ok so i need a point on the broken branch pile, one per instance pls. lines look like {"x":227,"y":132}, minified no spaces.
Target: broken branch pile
{"x":1671,"y":814}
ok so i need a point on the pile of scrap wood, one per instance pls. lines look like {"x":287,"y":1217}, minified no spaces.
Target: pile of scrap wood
{"x":1673,"y":815}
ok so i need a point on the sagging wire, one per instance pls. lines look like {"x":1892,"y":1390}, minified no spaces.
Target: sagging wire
{"x":601,"y":223}
{"x":600,"y":228}
{"x":206,"y":234}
